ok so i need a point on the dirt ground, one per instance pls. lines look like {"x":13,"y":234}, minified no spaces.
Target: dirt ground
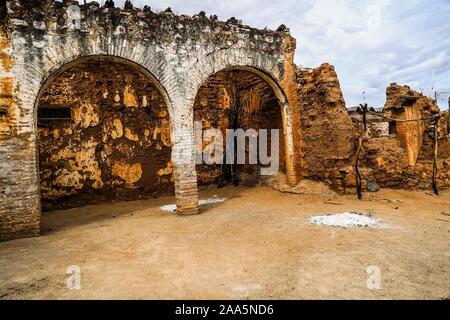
{"x":258,"y":244}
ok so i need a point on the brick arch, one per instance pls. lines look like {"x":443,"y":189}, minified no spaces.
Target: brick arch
{"x":57,"y":70}
{"x":262,"y":64}
{"x":47,"y":67}
{"x":153,"y":58}
{"x":107,"y":63}
{"x":269,"y":68}
{"x":150,"y":59}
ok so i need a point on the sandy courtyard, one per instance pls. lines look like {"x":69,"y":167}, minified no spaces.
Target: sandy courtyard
{"x":258,"y":244}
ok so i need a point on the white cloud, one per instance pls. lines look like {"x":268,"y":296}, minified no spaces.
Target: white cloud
{"x":371,"y":43}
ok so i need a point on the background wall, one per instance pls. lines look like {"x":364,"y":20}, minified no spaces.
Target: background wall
{"x":258,"y":109}
{"x":117,"y":144}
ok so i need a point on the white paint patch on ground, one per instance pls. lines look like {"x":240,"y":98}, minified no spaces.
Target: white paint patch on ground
{"x":345,"y":220}
{"x":173,"y":207}
{"x":211,"y":201}
{"x":169,"y":207}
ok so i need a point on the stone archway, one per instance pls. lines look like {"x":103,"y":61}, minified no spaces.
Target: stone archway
{"x":277,"y":75}
{"x":103,"y":134}
{"x":242,"y":94}
{"x":39,"y":43}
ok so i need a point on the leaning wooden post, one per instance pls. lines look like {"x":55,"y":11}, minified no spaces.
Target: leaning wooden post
{"x":435,"y":162}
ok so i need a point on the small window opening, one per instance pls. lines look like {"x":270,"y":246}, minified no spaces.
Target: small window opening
{"x":392,"y":127}
{"x":47,"y":113}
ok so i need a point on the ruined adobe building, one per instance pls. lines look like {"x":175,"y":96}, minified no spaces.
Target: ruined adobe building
{"x":98,"y":104}
{"x":403,"y":159}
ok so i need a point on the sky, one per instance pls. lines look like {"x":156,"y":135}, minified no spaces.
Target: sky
{"x":371,"y":43}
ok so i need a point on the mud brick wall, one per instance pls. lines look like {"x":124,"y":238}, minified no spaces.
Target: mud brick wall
{"x":117,"y":144}
{"x":258,"y":109}
{"x":404,"y":159}
{"x":327,"y":129}
{"x":404,"y":103}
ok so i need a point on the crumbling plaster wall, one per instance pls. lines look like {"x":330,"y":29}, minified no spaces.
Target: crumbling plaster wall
{"x":117,"y":144}
{"x":180,"y":52}
{"x":403,"y":103}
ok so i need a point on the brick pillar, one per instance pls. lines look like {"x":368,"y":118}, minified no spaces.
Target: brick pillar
{"x":291,"y":119}
{"x":186,"y":191}
{"x":20,"y":209}
{"x":19,"y":188}
{"x":291,"y":172}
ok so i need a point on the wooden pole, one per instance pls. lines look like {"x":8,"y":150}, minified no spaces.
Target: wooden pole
{"x":435,"y":163}
{"x":228,"y":171}
{"x":358,"y":152}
